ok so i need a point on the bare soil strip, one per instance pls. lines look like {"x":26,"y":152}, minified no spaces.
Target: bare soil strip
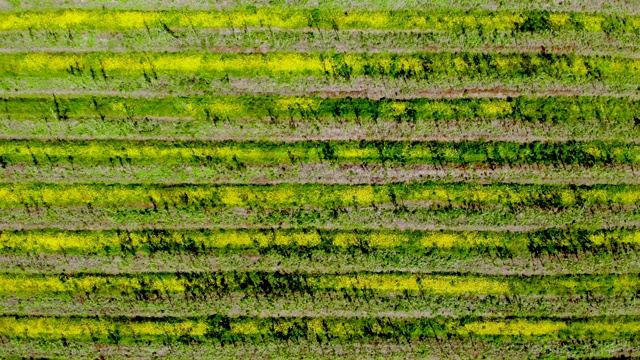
{"x":323,"y":304}
{"x":498,"y":91}
{"x":614,"y":6}
{"x":431,"y":349}
{"x":542,"y":47}
{"x":495,"y":219}
{"x":320,"y":173}
{"x":330,"y":263}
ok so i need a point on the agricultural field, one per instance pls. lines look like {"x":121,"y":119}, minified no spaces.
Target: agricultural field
{"x":363,"y":179}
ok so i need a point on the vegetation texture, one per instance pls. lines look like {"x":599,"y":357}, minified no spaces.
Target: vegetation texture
{"x":384,"y":179}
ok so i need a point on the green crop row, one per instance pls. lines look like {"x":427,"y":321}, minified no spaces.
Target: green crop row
{"x":279,"y":283}
{"x":103,"y":65}
{"x":130,"y":152}
{"x":332,"y":19}
{"x":217,"y":108}
{"x":314,"y":195}
{"x":109,"y":242}
{"x":237,"y":329}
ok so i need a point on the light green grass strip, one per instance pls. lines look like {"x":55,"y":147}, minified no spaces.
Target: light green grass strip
{"x":611,"y":6}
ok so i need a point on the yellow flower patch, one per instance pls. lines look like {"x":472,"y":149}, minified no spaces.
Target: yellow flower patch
{"x":513,"y":328}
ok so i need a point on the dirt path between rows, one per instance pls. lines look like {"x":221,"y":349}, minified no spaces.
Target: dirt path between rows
{"x":500,"y":92}
{"x":485,"y":49}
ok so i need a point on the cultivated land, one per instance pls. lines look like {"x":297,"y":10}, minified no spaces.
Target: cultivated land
{"x":282,"y":179}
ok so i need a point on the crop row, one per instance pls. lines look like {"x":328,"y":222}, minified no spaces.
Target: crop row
{"x":103,"y":65}
{"x":240,"y":240}
{"x":190,"y":260}
{"x":241,"y":154}
{"x":314,"y":195}
{"x":198,"y":285}
{"x":227,"y":330}
{"x":331,"y":19}
{"x":218,"y":108}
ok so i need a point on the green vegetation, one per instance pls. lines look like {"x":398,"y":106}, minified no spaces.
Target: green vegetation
{"x":352,"y":179}
{"x":559,"y":109}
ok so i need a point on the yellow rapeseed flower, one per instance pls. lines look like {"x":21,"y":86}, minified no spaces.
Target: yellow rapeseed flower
{"x":514,"y":327}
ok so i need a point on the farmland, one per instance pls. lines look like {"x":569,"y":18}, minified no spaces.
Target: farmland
{"x":356,"y":179}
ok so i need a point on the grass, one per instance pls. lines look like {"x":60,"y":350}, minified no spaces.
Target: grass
{"x":342,"y":41}
{"x":322,"y":173}
{"x":334,"y":349}
{"x":480,"y":261}
{"x":366,"y":179}
{"x":521,"y":218}
{"x":618,"y":6}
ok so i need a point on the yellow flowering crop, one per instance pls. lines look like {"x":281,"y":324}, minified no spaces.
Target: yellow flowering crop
{"x":51,"y":242}
{"x":294,"y":103}
{"x":51,"y":328}
{"x":245,"y":328}
{"x":54,"y":285}
{"x":88,"y":242}
{"x":515,"y":327}
{"x":13,"y":285}
{"x":290,"y":19}
{"x":445,"y":285}
{"x":461,"y":240}
{"x":57,"y":328}
{"x":15,"y":195}
{"x":299,"y":64}
{"x":611,"y":328}
{"x":496,"y":109}
{"x":128,"y":19}
{"x":137,"y":63}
